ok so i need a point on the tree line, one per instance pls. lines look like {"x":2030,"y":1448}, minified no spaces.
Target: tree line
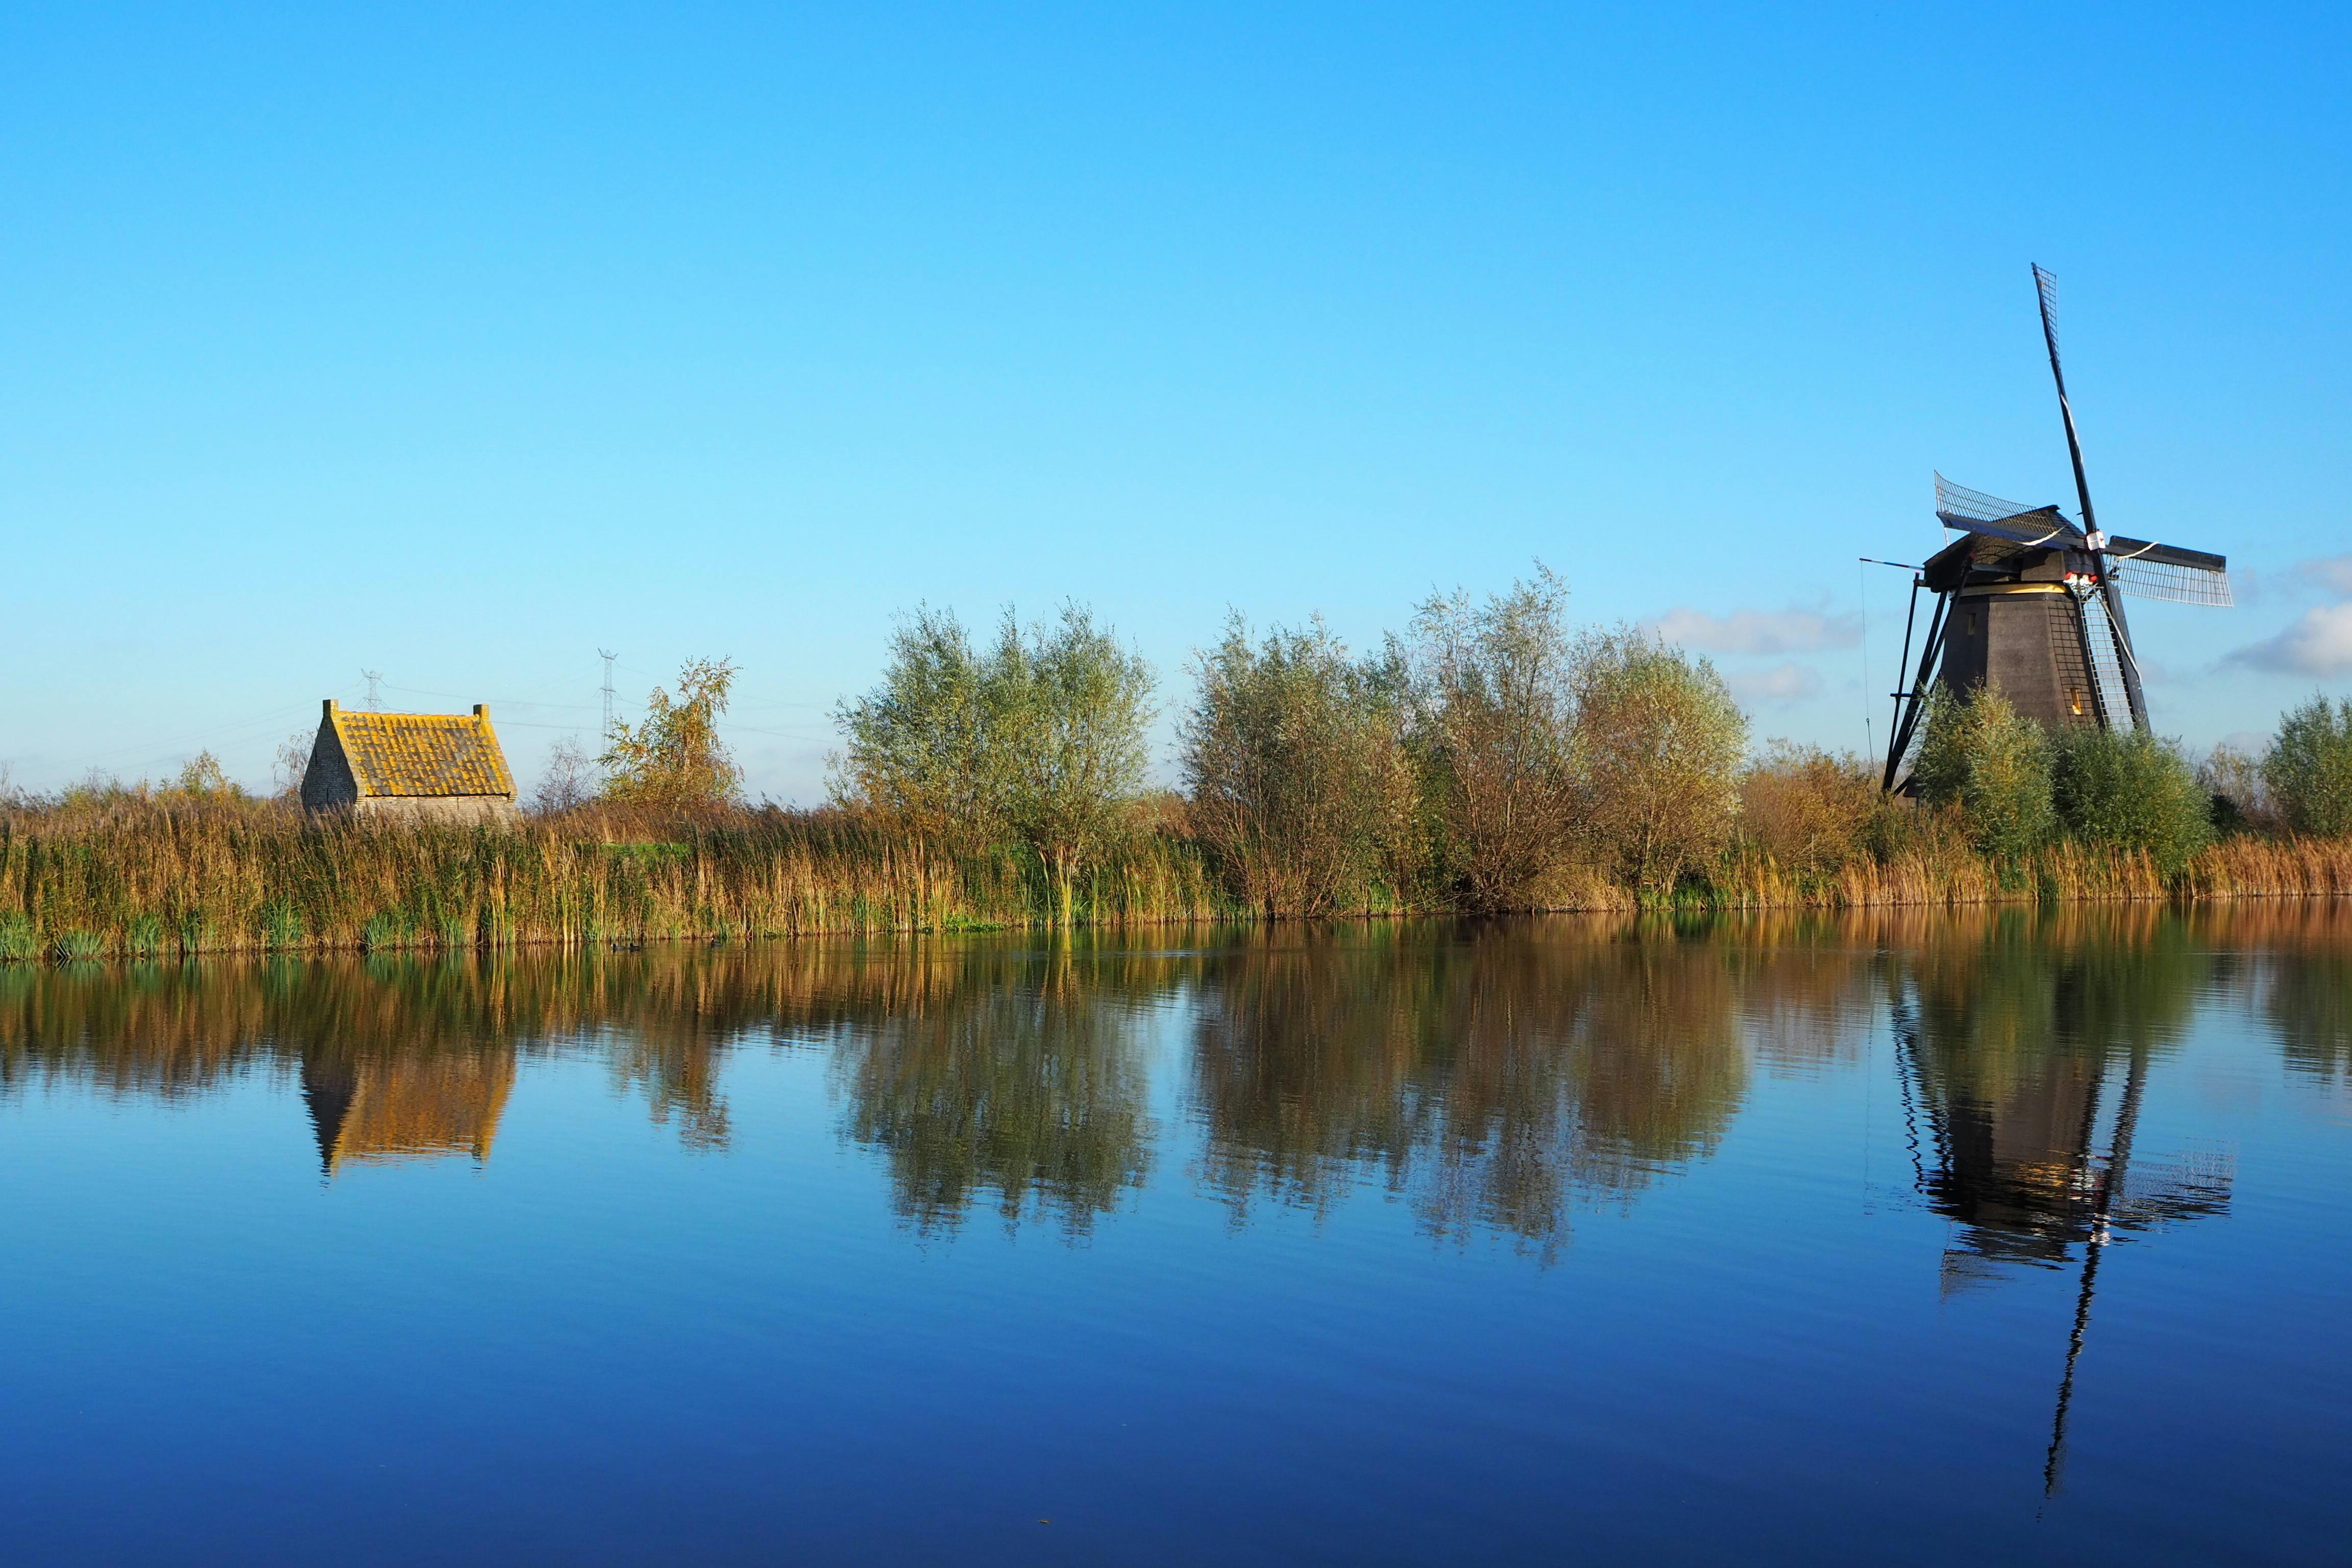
{"x":1465,"y":763}
{"x":1490,"y":757}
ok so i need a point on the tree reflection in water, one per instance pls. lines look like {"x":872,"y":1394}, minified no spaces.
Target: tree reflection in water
{"x":1495,"y":1078}
{"x":996,"y":1073}
{"x":2302,"y":951}
{"x":1492,"y":1076}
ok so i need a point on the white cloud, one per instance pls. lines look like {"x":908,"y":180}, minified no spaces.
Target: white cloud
{"x":1758,"y":631}
{"x":2318,"y":644}
{"x":1781,"y":683}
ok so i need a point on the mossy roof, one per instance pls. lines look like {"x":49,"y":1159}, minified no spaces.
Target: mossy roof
{"x":424,"y":753}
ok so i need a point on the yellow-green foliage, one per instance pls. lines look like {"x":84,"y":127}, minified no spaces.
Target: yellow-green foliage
{"x":2129,"y":790}
{"x":673,"y":760}
{"x":1810,"y":812}
{"x":1991,"y":763}
{"x":2309,"y":768}
{"x":1658,"y":743}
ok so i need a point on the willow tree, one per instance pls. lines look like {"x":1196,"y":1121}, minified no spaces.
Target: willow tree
{"x":1294,"y":767}
{"x":2308,"y":768}
{"x":1494,"y":721}
{"x":673,"y":759}
{"x":1036,"y":743}
{"x":1658,"y":745}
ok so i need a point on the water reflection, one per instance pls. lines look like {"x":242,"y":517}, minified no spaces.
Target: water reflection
{"x":2013,"y":1032}
{"x":1495,"y":1079}
{"x":2026,"y":1045}
{"x":1009,"y":1075}
{"x":2303,"y":951}
{"x":396,"y":1058}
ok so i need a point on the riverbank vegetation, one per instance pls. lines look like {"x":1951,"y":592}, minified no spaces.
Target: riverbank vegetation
{"x":1488,"y":759}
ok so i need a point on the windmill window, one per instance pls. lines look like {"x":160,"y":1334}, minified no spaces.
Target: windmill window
{"x":2074,"y":701}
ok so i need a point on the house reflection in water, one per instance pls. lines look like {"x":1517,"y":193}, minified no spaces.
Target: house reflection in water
{"x":2025,"y":1056}
{"x":379,"y":1109}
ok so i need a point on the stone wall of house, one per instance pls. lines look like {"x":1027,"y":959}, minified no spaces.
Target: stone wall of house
{"x":327,"y":783}
{"x":453,"y":810}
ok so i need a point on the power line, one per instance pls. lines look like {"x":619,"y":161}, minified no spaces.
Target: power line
{"x":493,"y":698}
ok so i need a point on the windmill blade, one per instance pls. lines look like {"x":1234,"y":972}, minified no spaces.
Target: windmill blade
{"x":2046,"y":286}
{"x":2105,"y":649}
{"x":2125,"y":549}
{"x":2045,"y":289}
{"x":2167,"y":572}
{"x":1973,"y":511}
{"x":1958,"y":500}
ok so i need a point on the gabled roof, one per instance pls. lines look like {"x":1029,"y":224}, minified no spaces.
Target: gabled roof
{"x":423,"y":753}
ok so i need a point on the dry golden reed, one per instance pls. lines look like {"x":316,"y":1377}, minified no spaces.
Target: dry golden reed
{"x":157,"y":877}
{"x":161,"y":877}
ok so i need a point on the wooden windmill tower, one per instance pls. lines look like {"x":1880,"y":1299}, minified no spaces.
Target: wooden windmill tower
{"x":2030,"y":601}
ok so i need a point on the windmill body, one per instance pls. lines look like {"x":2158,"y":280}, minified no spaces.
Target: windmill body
{"x":2029,"y":602}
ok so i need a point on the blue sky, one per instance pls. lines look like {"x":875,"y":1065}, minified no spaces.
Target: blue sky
{"x":457,"y":345}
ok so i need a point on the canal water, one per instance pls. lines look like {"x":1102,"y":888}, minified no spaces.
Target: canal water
{"x":1989,"y":1237}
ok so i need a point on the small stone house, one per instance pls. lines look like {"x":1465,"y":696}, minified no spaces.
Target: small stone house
{"x":415,"y":767}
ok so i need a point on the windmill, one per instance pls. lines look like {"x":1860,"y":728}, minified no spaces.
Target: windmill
{"x":2030,"y":601}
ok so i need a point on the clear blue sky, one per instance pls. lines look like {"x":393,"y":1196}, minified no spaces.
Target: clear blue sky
{"x":455,"y":346}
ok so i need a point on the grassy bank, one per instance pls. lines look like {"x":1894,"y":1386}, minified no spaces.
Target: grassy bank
{"x":159,"y":877}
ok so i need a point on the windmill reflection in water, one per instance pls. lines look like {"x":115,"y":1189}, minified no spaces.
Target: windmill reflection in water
{"x":2023,"y":1077}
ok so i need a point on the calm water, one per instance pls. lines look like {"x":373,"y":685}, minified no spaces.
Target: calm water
{"x":1962,"y":1240}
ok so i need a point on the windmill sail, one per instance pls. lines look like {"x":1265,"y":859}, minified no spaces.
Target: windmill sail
{"x":2151,"y":571}
{"x":2106,"y":655}
{"x":1973,"y":511}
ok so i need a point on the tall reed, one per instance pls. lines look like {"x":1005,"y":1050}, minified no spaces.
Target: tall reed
{"x":157,"y":877}
{"x":154,"y":878}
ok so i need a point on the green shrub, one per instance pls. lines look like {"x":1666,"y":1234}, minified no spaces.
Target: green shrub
{"x":1992,"y":763}
{"x":2233,"y":780}
{"x":1294,"y":758}
{"x":78,"y":946}
{"x":1040,"y":743}
{"x":2129,"y":790}
{"x":1492,"y":734}
{"x":281,"y":927}
{"x":2308,"y":772}
{"x":146,"y":936}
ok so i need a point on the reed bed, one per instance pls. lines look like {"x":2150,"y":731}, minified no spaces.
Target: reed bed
{"x":157,"y":877}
